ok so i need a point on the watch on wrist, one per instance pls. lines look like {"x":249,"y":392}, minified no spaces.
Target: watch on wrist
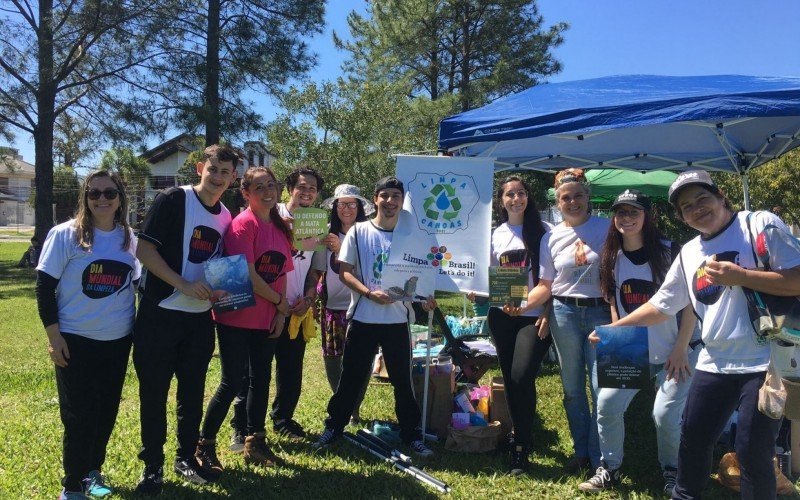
{"x":308,"y":300}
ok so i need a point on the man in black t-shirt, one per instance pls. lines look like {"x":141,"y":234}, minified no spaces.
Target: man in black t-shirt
{"x":174,"y":332}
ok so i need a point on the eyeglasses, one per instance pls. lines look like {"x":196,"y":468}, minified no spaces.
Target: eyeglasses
{"x":352,"y":205}
{"x":109,"y":194}
{"x":633,"y":213}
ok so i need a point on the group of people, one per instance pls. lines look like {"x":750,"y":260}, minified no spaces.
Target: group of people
{"x":91,"y":267}
{"x":584,"y":272}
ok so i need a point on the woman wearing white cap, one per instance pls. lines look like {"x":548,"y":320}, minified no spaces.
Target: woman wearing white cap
{"x":635,"y":259}
{"x":710,"y":275}
{"x":347,"y":207}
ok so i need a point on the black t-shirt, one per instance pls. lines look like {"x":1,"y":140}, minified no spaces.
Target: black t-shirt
{"x":163,"y":227}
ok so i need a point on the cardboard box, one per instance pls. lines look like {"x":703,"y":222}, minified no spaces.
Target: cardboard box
{"x":498,"y":407}
{"x":440,"y":399}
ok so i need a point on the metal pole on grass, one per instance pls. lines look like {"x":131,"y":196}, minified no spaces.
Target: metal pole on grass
{"x":427,"y":376}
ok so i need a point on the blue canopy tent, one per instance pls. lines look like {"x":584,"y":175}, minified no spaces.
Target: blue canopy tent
{"x":641,"y":122}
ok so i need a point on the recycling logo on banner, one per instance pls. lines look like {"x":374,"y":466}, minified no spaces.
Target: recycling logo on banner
{"x":442,"y":203}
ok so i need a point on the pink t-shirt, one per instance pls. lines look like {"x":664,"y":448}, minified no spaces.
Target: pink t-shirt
{"x":266,"y":247}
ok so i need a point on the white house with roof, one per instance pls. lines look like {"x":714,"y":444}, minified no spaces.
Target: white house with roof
{"x":17,"y":178}
{"x":166,"y":158}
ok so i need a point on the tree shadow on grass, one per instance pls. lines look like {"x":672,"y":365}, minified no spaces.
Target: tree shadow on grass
{"x":296,"y":481}
{"x":15,"y":281}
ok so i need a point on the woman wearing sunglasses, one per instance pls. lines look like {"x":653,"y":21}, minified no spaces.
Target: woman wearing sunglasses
{"x":569,"y":272}
{"x":85,"y":295}
{"x":635,"y":259}
{"x":347,"y":207}
{"x":247,"y":337}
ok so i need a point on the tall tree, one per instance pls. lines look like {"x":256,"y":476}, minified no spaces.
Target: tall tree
{"x":478,"y":49}
{"x":84,"y":56}
{"x":770,"y":187}
{"x":228,"y":47}
{"x":349,"y":130}
{"x":73,"y":140}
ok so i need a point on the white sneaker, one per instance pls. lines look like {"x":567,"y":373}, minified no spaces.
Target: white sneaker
{"x":419,"y":449}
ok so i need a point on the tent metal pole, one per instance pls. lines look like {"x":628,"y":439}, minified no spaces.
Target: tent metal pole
{"x":746,"y":189}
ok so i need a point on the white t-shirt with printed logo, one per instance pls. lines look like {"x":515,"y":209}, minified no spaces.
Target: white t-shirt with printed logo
{"x":508,"y":250}
{"x":366,"y":247}
{"x":570,"y":258}
{"x":634,"y":287}
{"x":95,"y":292}
{"x":731,"y":343}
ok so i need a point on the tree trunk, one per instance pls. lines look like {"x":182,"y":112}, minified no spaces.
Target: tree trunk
{"x":43,"y":132}
{"x":212,"y":113}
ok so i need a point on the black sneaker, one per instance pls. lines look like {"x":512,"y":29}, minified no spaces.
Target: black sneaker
{"x":189,"y":470}
{"x":670,"y":478}
{"x":237,"y":441}
{"x":152,"y":480}
{"x":603,"y":479}
{"x":519,"y":461}
{"x":290,"y":429}
{"x":327,"y":437}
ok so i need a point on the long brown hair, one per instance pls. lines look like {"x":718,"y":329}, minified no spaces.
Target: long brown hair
{"x":659,"y":257}
{"x":84,"y":225}
{"x":274,"y":216}
{"x":532,"y":227}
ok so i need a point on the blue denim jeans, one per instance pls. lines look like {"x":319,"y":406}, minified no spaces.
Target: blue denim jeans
{"x":570,"y":326}
{"x":667,"y":410}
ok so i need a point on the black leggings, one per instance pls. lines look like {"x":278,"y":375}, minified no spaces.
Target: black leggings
{"x":244,"y":354}
{"x":521,"y":352}
{"x":89,"y":391}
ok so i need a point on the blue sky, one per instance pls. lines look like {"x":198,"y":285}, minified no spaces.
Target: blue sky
{"x":611,"y":37}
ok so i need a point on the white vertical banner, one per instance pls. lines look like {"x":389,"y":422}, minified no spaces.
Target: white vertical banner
{"x":450,"y":203}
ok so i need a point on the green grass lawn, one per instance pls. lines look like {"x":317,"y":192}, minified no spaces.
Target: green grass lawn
{"x":30,"y":433}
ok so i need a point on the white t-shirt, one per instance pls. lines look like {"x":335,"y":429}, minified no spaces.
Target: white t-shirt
{"x":366,"y":248}
{"x":508,"y":250}
{"x":296,"y":279}
{"x":634,"y":287}
{"x":95,"y":292}
{"x":731,"y":343}
{"x":202,"y":241}
{"x":570,"y":258}
{"x":338,"y":293}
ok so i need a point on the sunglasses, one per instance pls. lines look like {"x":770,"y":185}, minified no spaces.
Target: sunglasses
{"x":109,"y":194}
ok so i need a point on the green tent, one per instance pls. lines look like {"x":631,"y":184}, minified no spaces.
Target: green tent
{"x":608,"y":183}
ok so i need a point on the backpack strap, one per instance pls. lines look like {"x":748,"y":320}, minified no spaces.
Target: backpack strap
{"x":760,"y":264}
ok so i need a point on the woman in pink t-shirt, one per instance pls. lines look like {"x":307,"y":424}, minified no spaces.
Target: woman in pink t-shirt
{"x":246,"y":337}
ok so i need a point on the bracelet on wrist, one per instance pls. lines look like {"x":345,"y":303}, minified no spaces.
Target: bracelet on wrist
{"x":368,"y":294}
{"x":308,"y":300}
